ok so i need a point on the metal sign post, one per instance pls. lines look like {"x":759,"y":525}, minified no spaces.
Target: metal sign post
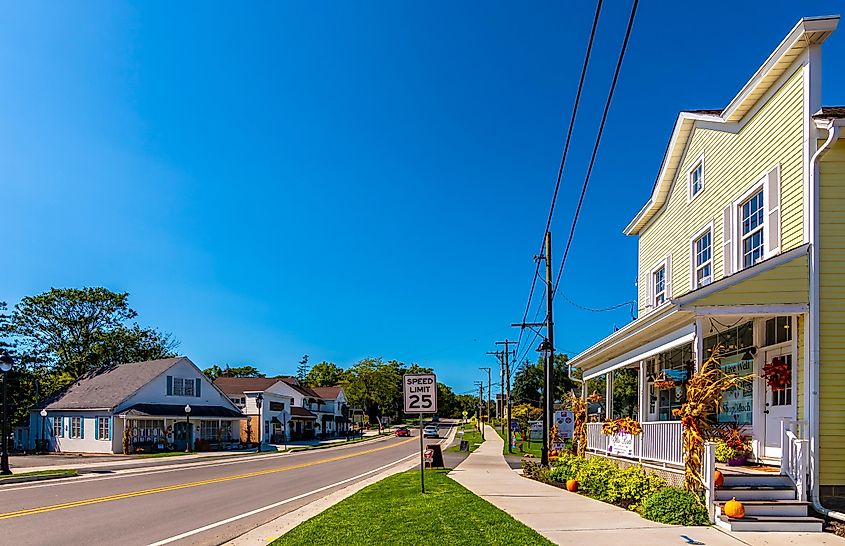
{"x":420,"y":394}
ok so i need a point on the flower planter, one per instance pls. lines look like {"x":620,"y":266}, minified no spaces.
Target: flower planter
{"x":738,"y":461}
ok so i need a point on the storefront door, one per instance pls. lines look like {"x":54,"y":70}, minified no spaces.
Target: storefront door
{"x":779,"y":403}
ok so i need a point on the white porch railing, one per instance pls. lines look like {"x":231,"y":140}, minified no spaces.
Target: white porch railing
{"x":660,"y":442}
{"x":793,"y":460}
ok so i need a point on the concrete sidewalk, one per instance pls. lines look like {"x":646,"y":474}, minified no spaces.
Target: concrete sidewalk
{"x":570,"y":518}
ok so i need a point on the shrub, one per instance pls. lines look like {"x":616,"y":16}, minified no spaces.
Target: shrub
{"x":594,"y":477}
{"x":675,"y":506}
{"x":630,"y":487}
{"x":535,"y":471}
{"x":566,"y":468}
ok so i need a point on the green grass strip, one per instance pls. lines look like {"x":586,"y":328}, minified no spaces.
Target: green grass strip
{"x":393,"y":511}
{"x":64,"y":472}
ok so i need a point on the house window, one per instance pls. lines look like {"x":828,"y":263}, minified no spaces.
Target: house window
{"x":659,"y":284}
{"x":58,"y":429}
{"x":103,"y":428}
{"x":210,"y":430}
{"x":778,"y":330}
{"x":703,"y":260}
{"x":76,"y":427}
{"x":183,"y":386}
{"x":696,"y":179}
{"x":751,"y":230}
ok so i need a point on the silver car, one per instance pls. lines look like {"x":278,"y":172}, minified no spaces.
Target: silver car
{"x":430,"y":431}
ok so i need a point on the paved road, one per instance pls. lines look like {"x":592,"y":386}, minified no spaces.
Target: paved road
{"x":159,"y":505}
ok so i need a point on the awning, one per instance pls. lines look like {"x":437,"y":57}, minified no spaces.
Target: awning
{"x":669,"y":341}
{"x":178,"y":411}
{"x":275,"y":421}
{"x":301,"y":413}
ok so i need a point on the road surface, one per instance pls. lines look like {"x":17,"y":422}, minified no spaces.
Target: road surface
{"x":205,"y":503}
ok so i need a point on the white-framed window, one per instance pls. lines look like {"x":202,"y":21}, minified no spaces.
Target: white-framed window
{"x":752,"y":229}
{"x":702,"y":258}
{"x":696,"y":178}
{"x":76,"y":427}
{"x":58,"y":427}
{"x":658,"y":282}
{"x":188,"y":387}
{"x":751,"y":224}
{"x":103,"y":428}
{"x":183,"y":386}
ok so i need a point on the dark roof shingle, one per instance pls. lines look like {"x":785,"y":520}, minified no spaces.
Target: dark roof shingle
{"x":830,"y":112}
{"x":240,"y":385}
{"x":178,"y":410}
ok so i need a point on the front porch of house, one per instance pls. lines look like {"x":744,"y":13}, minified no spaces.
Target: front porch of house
{"x":152,"y":428}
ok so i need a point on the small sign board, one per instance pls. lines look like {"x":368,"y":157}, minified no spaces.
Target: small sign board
{"x":565,"y":421}
{"x":535,"y":429}
{"x":622,"y":444}
{"x":420,"y":393}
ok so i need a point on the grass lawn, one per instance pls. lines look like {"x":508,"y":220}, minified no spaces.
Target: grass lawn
{"x":393,"y":511}
{"x":63,"y":472}
{"x":163,"y":454}
{"x":472,"y":435}
{"x":522,"y":448}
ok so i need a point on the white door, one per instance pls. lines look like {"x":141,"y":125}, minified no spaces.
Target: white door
{"x":779,"y":403}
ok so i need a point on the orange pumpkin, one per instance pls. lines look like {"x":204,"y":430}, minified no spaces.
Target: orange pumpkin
{"x":572,"y":485}
{"x":718,"y":479}
{"x":734,"y":509}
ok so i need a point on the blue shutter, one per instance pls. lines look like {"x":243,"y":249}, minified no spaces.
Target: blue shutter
{"x":111,"y":420}
{"x":197,"y":389}
{"x":169,"y":385}
{"x":96,"y":428}
{"x":81,"y":428}
{"x":62,"y":433}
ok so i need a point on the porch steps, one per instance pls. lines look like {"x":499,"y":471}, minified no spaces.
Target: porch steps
{"x":770,"y":505}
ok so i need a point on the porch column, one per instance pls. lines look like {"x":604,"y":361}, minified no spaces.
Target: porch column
{"x":608,"y":396}
{"x":698,"y":345}
{"x":642,"y":392}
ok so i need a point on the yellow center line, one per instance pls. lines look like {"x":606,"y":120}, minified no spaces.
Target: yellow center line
{"x":175,"y":487}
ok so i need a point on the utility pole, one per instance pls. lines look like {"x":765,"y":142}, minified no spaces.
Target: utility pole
{"x":550,"y":353}
{"x":480,"y":414}
{"x":489,"y":388}
{"x":507,"y":369}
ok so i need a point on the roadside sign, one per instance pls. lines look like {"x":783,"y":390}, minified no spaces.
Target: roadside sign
{"x":464,"y":413}
{"x":420,"y":392}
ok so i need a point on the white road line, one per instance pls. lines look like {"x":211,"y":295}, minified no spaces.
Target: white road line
{"x":276,"y":504}
{"x":286,"y":501}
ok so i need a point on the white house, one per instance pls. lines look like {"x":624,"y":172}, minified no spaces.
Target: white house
{"x":138,"y":406}
{"x":328,"y":404}
{"x":269,"y":420}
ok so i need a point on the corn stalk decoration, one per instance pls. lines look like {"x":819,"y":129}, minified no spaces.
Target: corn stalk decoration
{"x":579,"y":432}
{"x":704,"y":392}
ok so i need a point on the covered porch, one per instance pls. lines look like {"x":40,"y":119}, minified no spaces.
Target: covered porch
{"x":756,"y":317}
{"x":150,"y":428}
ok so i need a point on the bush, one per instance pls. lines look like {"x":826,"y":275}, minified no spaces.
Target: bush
{"x":675,"y":506}
{"x":594,"y":477}
{"x":630,"y":487}
{"x":566,"y":467}
{"x":724,"y":452}
{"x":534,"y":470}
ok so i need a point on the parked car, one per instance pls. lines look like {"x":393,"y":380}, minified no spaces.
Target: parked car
{"x":402,"y":431}
{"x":431,"y":431}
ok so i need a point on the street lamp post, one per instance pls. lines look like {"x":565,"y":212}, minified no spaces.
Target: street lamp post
{"x":546,"y":349}
{"x":5,"y":367}
{"x":187,"y":428}
{"x":259,"y":401}
{"x":43,"y":414}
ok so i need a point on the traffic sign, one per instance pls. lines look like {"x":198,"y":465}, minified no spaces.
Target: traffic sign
{"x":420,"y":393}
{"x":464,"y":413}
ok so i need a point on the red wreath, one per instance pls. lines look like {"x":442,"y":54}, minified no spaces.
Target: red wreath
{"x":778,"y":374}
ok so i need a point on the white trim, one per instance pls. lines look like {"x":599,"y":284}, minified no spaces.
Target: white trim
{"x":659,"y":345}
{"x":751,"y":309}
{"x":693,"y":258}
{"x":696,"y":164}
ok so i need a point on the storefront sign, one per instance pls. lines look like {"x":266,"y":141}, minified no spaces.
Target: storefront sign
{"x":737,"y":403}
{"x":535,"y":430}
{"x":565,"y":421}
{"x":621,"y":444}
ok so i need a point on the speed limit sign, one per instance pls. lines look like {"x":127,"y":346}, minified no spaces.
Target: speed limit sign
{"x":420,"y":393}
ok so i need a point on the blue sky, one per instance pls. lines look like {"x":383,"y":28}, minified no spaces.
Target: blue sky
{"x":348,"y":179}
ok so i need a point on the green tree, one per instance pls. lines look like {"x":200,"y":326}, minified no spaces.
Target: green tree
{"x":216,"y":371}
{"x":528,"y":381}
{"x":302,"y":369}
{"x":77,"y":330}
{"x":465,"y":403}
{"x":372,"y":385}
{"x":446,"y":401}
{"x":324,"y":374}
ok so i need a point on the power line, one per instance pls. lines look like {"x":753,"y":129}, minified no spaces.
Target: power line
{"x":630,"y":303}
{"x":565,"y":153}
{"x":598,"y":141}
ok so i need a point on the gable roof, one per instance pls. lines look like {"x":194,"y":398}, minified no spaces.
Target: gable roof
{"x":810,"y":31}
{"x":327,"y":392}
{"x":240,"y":385}
{"x":107,"y":387}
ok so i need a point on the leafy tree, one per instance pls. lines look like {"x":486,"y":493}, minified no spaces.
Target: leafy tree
{"x":372,"y":385}
{"x":523,"y":413}
{"x":302,"y":369}
{"x":465,"y":403}
{"x":324,"y":374}
{"x":625,"y":396}
{"x":216,"y":371}
{"x":446,"y":401}
{"x":76,"y":330}
{"x":529,"y":379}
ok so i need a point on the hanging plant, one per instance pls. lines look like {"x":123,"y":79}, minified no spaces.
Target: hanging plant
{"x":778,"y":374}
{"x":595,"y":397}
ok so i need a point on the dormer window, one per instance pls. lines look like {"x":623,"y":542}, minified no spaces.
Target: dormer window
{"x":696,"y":178}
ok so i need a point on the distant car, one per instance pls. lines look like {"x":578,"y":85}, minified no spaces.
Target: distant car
{"x":435,"y":419}
{"x":431,"y":432}
{"x":402,"y":431}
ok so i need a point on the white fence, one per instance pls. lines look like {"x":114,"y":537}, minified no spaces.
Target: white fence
{"x":660,"y":442}
{"x":793,"y":461}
